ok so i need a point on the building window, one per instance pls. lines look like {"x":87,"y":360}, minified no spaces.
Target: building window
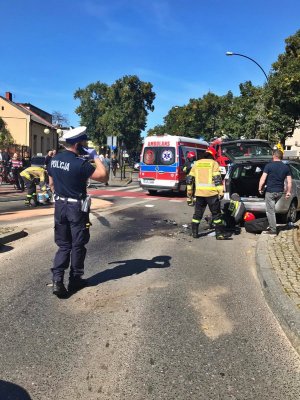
{"x":34,"y":144}
{"x":288,"y":147}
{"x":42,"y":144}
{"x":2,"y":108}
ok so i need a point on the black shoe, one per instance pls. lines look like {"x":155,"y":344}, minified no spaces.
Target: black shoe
{"x":59,"y":289}
{"x":76,"y":284}
{"x":270,"y":233}
{"x":223,"y":236}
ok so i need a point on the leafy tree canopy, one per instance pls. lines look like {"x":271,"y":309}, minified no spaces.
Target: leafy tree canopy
{"x":117,"y":110}
{"x":91,"y":106}
{"x":283,"y":90}
{"x":5,"y":137}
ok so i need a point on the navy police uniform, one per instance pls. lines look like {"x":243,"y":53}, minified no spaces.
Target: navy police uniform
{"x":70,"y":173}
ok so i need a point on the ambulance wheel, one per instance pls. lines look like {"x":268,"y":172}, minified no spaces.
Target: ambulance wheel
{"x":152,"y":192}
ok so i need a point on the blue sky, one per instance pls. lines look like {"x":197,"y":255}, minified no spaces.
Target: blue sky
{"x":51,"y":48}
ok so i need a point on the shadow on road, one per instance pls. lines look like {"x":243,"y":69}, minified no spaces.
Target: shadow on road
{"x":128,"y":268}
{"x":11,"y":391}
{"x":3,"y":249}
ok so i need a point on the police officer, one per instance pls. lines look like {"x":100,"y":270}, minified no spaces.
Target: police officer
{"x":68,"y":175}
{"x":206,"y":181}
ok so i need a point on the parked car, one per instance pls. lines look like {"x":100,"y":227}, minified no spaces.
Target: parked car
{"x":38,"y":161}
{"x":243,"y":177}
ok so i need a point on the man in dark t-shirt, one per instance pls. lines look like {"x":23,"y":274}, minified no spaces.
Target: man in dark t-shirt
{"x":274,"y":176}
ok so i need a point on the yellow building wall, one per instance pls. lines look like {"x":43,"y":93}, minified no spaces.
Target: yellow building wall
{"x":16,"y":121}
{"x":25,"y":131}
{"x":41,"y":142}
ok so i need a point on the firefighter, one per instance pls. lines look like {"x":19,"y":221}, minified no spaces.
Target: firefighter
{"x":206,"y":180}
{"x":190,"y":159}
{"x":233,"y":213}
{"x":31,"y":176}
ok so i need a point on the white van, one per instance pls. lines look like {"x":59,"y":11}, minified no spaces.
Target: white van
{"x":162,"y":160}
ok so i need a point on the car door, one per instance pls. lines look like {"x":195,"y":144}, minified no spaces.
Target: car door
{"x":295,"y":170}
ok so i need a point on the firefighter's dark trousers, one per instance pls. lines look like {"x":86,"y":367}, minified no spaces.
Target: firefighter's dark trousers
{"x":30,"y":186}
{"x":71,"y":235}
{"x":214,"y":205}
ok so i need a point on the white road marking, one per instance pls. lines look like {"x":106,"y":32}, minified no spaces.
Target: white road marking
{"x":116,"y":189}
{"x":117,"y":208}
{"x":176,"y":201}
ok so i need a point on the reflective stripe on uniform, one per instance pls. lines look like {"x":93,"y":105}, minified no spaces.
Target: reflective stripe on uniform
{"x":197,"y":221}
{"x":218,"y":221}
{"x":25,"y":175}
{"x":207,"y":187}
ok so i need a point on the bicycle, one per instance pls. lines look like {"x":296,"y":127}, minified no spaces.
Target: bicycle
{"x":6,"y":176}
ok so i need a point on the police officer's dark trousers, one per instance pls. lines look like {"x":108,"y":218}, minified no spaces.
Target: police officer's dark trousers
{"x":71,"y":236}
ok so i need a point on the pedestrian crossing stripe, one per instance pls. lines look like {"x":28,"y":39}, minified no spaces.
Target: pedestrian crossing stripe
{"x":127,"y":188}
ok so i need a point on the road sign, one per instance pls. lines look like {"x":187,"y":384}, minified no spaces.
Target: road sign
{"x":111,"y":141}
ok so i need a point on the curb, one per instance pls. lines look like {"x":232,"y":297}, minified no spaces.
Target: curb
{"x":282,"y":307}
{"x":12,"y":236}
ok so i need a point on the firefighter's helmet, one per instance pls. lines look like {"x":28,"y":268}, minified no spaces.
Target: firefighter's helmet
{"x":212,"y":151}
{"x":248,"y":216}
{"x":191,"y":155}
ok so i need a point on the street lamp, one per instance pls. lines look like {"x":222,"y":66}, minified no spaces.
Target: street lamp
{"x":231,"y":53}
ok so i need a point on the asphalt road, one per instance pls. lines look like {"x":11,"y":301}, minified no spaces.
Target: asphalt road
{"x":165,"y":317}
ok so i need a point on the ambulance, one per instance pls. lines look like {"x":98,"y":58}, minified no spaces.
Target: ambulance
{"x":162,"y":160}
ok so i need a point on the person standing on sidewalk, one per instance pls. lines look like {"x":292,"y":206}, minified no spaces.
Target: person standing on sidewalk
{"x":274,"y":176}
{"x":26,"y":160}
{"x":16,"y":168}
{"x":68,"y":175}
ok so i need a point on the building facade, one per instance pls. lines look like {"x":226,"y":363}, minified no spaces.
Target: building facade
{"x":292,"y":145}
{"x":28,"y":125}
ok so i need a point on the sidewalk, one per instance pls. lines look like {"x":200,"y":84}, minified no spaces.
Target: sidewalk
{"x":278,"y":262}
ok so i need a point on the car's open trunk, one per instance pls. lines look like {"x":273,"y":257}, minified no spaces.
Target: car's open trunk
{"x":245,"y":179}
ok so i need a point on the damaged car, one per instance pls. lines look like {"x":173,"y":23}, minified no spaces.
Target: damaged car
{"x":243,"y":178}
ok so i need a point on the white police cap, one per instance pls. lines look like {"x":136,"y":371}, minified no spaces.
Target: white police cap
{"x":74,"y":135}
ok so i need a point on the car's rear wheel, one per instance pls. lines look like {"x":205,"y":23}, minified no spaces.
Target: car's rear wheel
{"x":291,"y":215}
{"x":152,"y":192}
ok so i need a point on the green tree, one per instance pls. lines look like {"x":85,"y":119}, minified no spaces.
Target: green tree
{"x":157,"y":130}
{"x":117,"y":110}
{"x":127,"y":105}
{"x":92,"y":106}
{"x":5,"y":136}
{"x":283,"y":91}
